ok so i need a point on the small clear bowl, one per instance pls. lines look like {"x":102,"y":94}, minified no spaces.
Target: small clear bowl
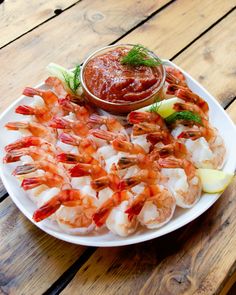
{"x":126,"y":106}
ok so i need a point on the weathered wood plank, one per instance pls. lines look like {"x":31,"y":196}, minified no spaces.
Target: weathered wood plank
{"x":30,"y":260}
{"x":231,"y":110}
{"x":175,"y":27}
{"x":2,"y":190}
{"x":198,"y":258}
{"x":18,"y":17}
{"x":67,"y":40}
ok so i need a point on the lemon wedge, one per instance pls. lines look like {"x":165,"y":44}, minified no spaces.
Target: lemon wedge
{"x":164,"y":107}
{"x":214,"y":181}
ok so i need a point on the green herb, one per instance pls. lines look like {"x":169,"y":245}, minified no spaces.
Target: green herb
{"x":185,"y":116}
{"x":140,"y":56}
{"x":70,"y":79}
{"x":155,"y":106}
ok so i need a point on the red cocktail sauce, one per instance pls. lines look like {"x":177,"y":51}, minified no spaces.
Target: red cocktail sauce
{"x":107,"y":79}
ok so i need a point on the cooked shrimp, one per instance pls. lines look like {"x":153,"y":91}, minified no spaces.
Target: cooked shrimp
{"x":127,"y":147}
{"x":48,"y":179}
{"x":160,"y":136}
{"x":174,"y":76}
{"x":182,"y":180}
{"x":104,"y":210}
{"x":84,"y":145}
{"x":188,"y":106}
{"x":76,"y":158}
{"x":68,"y":198}
{"x":106,"y":135}
{"x":49,"y":97}
{"x":81,"y":112}
{"x":177,"y":149}
{"x":26,"y":142}
{"x":95,"y":171}
{"x":111,"y":180}
{"x":142,"y":161}
{"x":146,"y":176}
{"x":36,"y":153}
{"x":47,"y":166}
{"x":34,"y":128}
{"x":42,"y":114}
{"x":79,"y":128}
{"x":154,"y":207}
{"x":145,"y":128}
{"x":111,"y":123}
{"x":148,"y":117}
{"x":57,"y":86}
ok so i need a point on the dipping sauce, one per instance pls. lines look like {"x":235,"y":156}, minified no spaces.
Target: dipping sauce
{"x":109,"y":80}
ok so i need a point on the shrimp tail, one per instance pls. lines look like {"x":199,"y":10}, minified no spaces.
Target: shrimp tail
{"x":80,"y":170}
{"x":25,"y":110}
{"x":24,"y":142}
{"x":68,"y":139}
{"x":29,"y":91}
{"x":13,"y":156}
{"x":59,"y":123}
{"x":16,"y":125}
{"x":24,"y":169}
{"x":30,"y":183}
{"x":193,"y":134}
{"x":47,"y":209}
{"x":126,"y":162}
{"x":96,"y":119}
{"x":67,"y":158}
{"x":100,"y":183}
{"x":103,"y":134}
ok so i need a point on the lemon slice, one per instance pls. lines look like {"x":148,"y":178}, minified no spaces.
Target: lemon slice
{"x":164,"y":107}
{"x":214,"y":181}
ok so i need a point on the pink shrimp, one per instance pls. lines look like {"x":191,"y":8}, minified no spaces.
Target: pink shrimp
{"x":57,"y":85}
{"x":42,"y":114}
{"x":35,"y":152}
{"x":188,"y":106}
{"x":136,"y":117}
{"x":49,"y":179}
{"x":111,"y":123}
{"x":36,"y":129}
{"x":68,"y":198}
{"x":81,"y":169}
{"x":160,"y":136}
{"x":79,"y":128}
{"x":107,"y":135}
{"x":111,"y":180}
{"x":147,"y":176}
{"x":177,"y":149}
{"x":26,"y":142}
{"x":49,"y":97}
{"x":82,"y":113}
{"x":142,"y":161}
{"x":47,"y":166}
{"x":84,"y":145}
{"x":76,"y":158}
{"x":174,"y":76}
{"x":103,"y":212}
{"x":145,"y":128}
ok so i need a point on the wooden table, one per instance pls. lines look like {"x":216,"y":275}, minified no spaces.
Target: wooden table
{"x":199,"y":258}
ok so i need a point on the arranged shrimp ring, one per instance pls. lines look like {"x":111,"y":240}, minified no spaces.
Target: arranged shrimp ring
{"x":88,"y":171}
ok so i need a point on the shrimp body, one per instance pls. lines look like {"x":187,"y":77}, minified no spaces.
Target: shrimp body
{"x":182,"y":180}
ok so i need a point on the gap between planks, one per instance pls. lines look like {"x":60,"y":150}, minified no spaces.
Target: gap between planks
{"x":40,"y":24}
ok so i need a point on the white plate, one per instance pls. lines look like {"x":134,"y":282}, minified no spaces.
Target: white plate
{"x":218,"y":118}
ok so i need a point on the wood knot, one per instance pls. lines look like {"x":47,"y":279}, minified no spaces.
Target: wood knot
{"x":58,"y":11}
{"x":96,"y":17}
{"x":177,"y":280}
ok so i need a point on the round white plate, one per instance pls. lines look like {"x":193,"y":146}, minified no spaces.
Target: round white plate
{"x":218,"y":118}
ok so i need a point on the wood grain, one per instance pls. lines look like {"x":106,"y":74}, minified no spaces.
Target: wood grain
{"x":231,"y":110}
{"x":92,"y":24}
{"x":30,"y":260}
{"x":196,"y":259}
{"x":18,"y":17}
{"x":175,"y":27}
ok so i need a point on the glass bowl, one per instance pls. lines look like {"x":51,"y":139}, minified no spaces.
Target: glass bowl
{"x":126,"y":106}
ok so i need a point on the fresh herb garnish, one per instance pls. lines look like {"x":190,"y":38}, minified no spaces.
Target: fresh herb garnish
{"x":155,"y":106}
{"x":184,"y":116}
{"x":70,"y":79}
{"x":73,"y":81}
{"x":140,"y":56}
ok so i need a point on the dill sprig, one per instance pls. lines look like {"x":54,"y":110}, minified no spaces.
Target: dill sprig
{"x":140,"y":56}
{"x":73,"y":81}
{"x":184,"y":116}
{"x":156,"y":105}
